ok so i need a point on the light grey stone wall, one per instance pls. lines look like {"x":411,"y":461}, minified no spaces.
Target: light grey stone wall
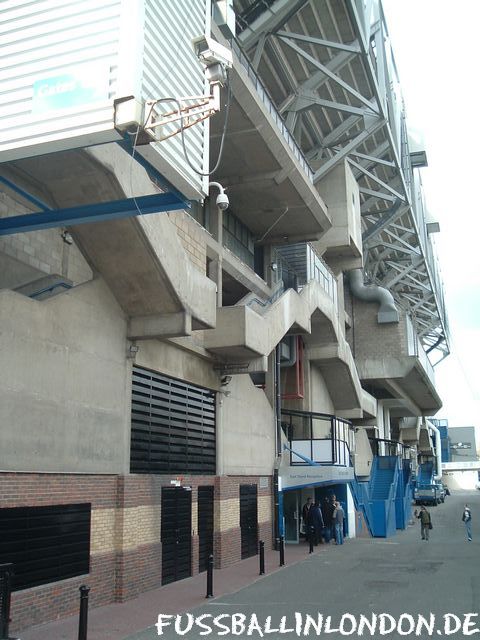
{"x":43,"y":252}
{"x":64,"y":382}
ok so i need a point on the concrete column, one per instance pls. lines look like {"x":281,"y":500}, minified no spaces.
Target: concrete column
{"x":219,"y":435}
{"x":215,"y":274}
{"x":215,"y":268}
{"x":386,"y":423}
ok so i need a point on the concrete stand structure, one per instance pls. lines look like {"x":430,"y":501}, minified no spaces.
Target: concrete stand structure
{"x":178,"y":374}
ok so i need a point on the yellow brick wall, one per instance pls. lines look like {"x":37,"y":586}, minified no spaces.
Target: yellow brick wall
{"x":102,"y":539}
{"x":227,"y":514}
{"x":191,"y":237}
{"x":124,"y":529}
{"x":264,"y":509}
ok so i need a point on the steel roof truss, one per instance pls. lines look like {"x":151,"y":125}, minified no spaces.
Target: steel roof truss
{"x":392,"y":214}
{"x":374,"y":125}
{"x":373,"y":177}
{"x":316,"y":63}
{"x":377,"y":194}
{"x":353,"y":48}
{"x":307,"y":100}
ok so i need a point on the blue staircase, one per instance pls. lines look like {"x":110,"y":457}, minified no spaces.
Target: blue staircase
{"x":384,"y":482}
{"x":361,"y":498}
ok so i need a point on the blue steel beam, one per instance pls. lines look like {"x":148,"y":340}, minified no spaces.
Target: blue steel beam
{"x":28,"y":196}
{"x":156,"y":203}
{"x":127,"y":145}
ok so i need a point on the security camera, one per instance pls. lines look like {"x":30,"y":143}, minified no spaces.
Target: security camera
{"x":211,"y":52}
{"x":222,"y":201}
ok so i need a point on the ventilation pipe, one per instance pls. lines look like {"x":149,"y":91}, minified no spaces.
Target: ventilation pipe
{"x":438,"y":450}
{"x":387,"y":312}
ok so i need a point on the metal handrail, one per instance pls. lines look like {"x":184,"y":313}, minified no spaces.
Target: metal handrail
{"x":337,"y":439}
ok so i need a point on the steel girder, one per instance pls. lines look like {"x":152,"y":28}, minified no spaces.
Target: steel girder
{"x":330,"y":71}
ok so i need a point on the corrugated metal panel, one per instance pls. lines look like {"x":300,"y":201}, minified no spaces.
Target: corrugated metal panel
{"x":171,"y":69}
{"x":63,"y":62}
{"x":58,"y":64}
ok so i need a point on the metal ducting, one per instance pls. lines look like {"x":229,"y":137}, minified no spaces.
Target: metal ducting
{"x":387,"y":312}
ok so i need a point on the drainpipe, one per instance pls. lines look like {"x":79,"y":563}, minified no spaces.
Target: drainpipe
{"x":387,"y":312}
{"x":438,"y":450}
{"x":277,"y":496}
{"x":278,"y":401}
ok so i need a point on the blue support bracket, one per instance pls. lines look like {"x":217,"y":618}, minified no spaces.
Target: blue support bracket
{"x":46,"y":219}
{"x":28,"y":196}
{"x":127,"y":145}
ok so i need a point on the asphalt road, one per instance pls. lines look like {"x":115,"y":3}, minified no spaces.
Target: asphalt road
{"x":402,"y":576}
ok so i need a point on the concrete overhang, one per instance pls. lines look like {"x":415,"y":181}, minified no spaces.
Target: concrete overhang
{"x":140,"y":258}
{"x":263,"y":169}
{"x":410,"y":429}
{"x":341,"y":378}
{"x":408,"y":374}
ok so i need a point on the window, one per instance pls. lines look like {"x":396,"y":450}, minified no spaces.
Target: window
{"x":45,"y":544}
{"x":238,"y":238}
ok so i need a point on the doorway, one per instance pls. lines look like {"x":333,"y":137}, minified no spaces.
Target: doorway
{"x":205,"y":526}
{"x":248,"y":520}
{"x":176,"y":533}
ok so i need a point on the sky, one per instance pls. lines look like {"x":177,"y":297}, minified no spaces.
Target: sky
{"x":435,"y":45}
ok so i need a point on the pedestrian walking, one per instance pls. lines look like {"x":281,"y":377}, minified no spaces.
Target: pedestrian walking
{"x":327,"y":513}
{"x":425,"y":522}
{"x":467,"y":519}
{"x":305,"y":509}
{"x":338,"y":517}
{"x":315,"y":523}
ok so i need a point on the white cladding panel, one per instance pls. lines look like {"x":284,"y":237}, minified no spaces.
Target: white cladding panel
{"x":64,"y":62}
{"x":171,"y":69}
{"x":57,"y":74}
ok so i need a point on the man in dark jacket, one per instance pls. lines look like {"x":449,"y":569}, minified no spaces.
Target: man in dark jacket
{"x":425,"y":522}
{"x":327,"y":513}
{"x":315,"y":523}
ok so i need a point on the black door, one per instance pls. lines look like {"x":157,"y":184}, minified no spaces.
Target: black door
{"x":176,"y":534}
{"x":205,"y":526}
{"x":248,"y":520}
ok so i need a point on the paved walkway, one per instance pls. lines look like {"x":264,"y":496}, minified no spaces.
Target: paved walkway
{"x":398,"y":575}
{"x":118,"y":621}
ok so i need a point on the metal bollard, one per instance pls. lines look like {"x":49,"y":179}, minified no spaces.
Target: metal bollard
{"x":261,"y":545}
{"x":83,"y":617}
{"x":210,"y":576}
{"x":282,"y":551}
{"x":6,"y":571}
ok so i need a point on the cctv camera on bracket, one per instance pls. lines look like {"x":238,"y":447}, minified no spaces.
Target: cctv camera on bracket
{"x":210,"y":52}
{"x":222,"y":200}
